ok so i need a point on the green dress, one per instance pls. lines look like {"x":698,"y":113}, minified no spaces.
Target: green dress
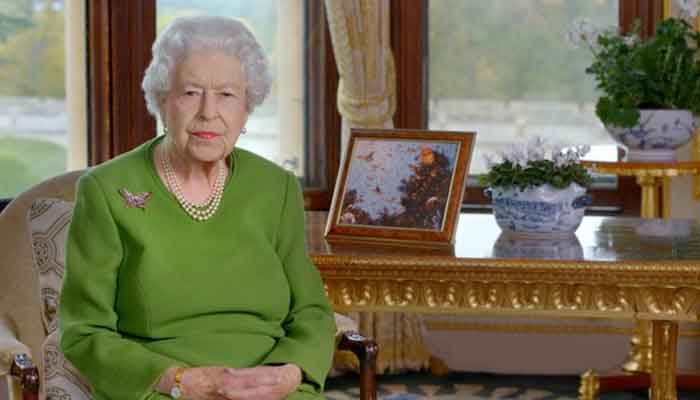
{"x":147,"y":289}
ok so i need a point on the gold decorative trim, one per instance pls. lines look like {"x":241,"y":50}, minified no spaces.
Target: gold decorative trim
{"x":666,"y":197}
{"x":541,"y":329}
{"x":663,"y":372}
{"x":527,"y":328}
{"x":666,"y":13}
{"x":513,"y":287}
{"x":590,"y":386}
{"x":440,"y":268}
{"x":681,"y":170}
{"x":552,"y":300}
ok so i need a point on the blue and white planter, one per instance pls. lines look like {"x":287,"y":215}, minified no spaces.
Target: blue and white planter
{"x":542,"y":210}
{"x":657,"y":136}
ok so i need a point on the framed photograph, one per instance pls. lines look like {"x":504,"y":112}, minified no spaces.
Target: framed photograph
{"x":400,"y":187}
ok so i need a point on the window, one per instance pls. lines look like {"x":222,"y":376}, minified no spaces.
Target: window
{"x":42,"y":119}
{"x":278,"y":26}
{"x":507,"y":71}
{"x":121,"y":33}
{"x":411,"y":43}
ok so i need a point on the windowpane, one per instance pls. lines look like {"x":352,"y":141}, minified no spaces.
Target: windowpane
{"x":506,"y":70}
{"x":276,"y":129}
{"x":33,"y":110}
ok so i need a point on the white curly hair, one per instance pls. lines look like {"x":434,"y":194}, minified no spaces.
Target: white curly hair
{"x":186,"y":34}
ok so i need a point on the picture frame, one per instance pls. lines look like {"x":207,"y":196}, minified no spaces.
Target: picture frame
{"x":400,"y":187}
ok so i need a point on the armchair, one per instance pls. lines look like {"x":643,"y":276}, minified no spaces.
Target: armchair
{"x":28,"y":336}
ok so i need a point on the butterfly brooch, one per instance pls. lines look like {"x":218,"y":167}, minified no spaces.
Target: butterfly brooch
{"x":138,"y":200}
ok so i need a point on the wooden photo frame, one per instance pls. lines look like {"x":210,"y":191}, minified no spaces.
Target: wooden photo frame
{"x":399,"y":186}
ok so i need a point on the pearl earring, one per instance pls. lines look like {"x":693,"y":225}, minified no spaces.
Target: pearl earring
{"x":243,"y":130}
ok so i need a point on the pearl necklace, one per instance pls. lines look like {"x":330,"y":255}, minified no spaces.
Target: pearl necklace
{"x":198,"y":212}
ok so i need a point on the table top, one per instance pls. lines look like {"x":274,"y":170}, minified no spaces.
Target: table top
{"x":597,"y":239}
{"x":632,"y":168}
{"x":613,"y":267}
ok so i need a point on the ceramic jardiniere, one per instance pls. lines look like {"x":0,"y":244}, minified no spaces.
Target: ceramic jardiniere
{"x":657,"y":135}
{"x":542,"y":210}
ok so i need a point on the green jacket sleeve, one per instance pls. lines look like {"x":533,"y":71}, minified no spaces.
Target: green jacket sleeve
{"x":116,"y":367}
{"x":310,"y":325}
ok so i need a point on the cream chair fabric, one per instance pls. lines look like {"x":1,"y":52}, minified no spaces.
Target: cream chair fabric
{"x":59,"y":378}
{"x":20,"y":307}
{"x":48,"y":223}
{"x":49,"y":220}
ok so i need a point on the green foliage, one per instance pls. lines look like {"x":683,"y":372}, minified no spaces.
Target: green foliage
{"x":662,"y":72}
{"x":9,"y":24}
{"x":14,"y":15}
{"x":32,"y":60}
{"x":26,"y":162}
{"x":508,"y":174}
{"x":510,"y":50}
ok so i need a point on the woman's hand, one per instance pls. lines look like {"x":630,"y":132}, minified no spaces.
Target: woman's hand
{"x":261,"y":383}
{"x":223,"y":383}
{"x":203,"y":383}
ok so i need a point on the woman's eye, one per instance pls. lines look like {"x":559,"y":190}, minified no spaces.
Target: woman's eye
{"x":191,"y":93}
{"x":228,"y":94}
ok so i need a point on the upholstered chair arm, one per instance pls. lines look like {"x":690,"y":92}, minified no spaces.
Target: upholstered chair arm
{"x":15,"y":359}
{"x":366,"y":352}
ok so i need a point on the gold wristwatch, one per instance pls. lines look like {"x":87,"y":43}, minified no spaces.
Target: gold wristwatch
{"x":176,"y":390}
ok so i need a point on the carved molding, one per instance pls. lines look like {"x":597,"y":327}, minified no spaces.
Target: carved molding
{"x":439,"y":269}
{"x":512,"y":298}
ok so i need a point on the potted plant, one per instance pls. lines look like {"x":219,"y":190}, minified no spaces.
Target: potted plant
{"x":538,"y":189}
{"x":650,"y":89}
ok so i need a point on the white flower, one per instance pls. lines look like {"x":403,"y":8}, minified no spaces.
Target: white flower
{"x":572,"y":156}
{"x":521,"y":160}
{"x":583,"y":31}
{"x":688,"y":7}
{"x":557,"y":149}
{"x":535,"y":149}
{"x":508,"y":154}
{"x":630,"y":40}
{"x":490,"y":160}
{"x":516,"y":155}
{"x":560,"y":160}
{"x":583,"y":150}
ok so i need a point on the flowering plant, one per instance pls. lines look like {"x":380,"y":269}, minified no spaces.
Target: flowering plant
{"x":536,"y":164}
{"x":662,"y":72}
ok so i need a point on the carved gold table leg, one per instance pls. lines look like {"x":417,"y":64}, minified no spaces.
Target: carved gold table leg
{"x":650,"y":196}
{"x":640,"y":353}
{"x":640,"y":349}
{"x":666,"y":197}
{"x":590,"y":386}
{"x":663,"y":374}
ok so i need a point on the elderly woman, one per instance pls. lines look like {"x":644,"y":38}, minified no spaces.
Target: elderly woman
{"x":187,"y":275}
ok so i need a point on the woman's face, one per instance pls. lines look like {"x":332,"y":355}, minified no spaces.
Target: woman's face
{"x":205,"y":109}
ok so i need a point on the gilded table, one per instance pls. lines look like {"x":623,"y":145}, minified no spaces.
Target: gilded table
{"x":618,"y":268}
{"x":650,"y":177}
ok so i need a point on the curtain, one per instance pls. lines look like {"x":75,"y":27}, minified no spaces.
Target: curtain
{"x":367,"y":99}
{"x":361,"y":45}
